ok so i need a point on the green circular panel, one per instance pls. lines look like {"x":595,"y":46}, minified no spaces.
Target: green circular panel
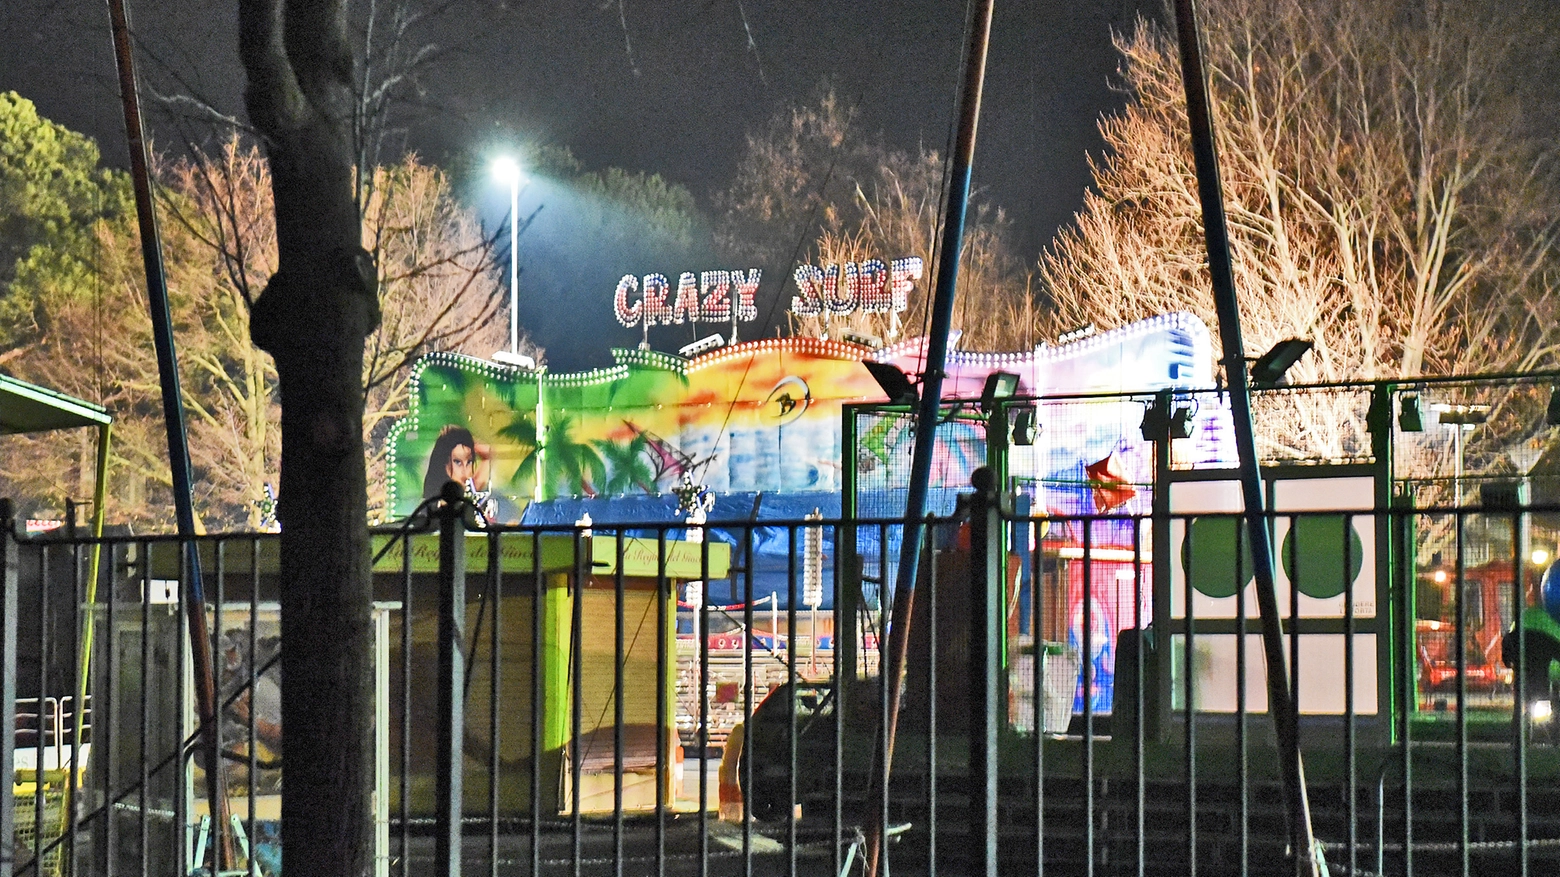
{"x":1313,"y":555}
{"x":1208,"y":556}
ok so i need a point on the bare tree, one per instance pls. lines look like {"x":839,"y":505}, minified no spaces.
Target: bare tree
{"x":440,"y":292}
{"x":813,"y":187}
{"x":1387,"y":197}
{"x":313,"y":318}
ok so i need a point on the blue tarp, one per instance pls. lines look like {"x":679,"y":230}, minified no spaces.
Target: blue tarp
{"x":767,"y":516}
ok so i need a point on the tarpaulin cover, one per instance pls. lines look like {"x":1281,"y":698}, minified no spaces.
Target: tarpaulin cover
{"x":769,"y":517}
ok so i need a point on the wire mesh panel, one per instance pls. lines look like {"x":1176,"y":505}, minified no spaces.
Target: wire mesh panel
{"x":883,"y":455}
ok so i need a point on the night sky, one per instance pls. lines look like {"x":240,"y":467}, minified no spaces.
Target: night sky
{"x":558,"y":72}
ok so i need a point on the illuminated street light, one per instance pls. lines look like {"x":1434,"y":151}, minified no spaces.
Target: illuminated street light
{"x":507,"y":170}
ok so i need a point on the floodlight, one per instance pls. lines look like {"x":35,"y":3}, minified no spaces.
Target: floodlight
{"x":1162,"y":421}
{"x":1026,"y":426}
{"x":896,"y":385}
{"x":516,"y":359}
{"x":507,"y":170}
{"x":1269,"y":368}
{"x":1410,"y":417}
{"x":999,"y":385}
{"x":703,"y":345}
{"x":1464,"y":415}
{"x":1156,"y":422}
{"x":1552,"y":416}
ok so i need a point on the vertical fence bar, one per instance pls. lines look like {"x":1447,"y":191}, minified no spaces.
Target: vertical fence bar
{"x":495,"y":589}
{"x":211,"y":644}
{"x":183,"y":651}
{"x":748,"y":640}
{"x":101,"y":733}
{"x":617,"y":705}
{"x":8,"y":637}
{"x":1242,"y":709}
{"x":1460,"y":643}
{"x":449,"y":782}
{"x":144,"y":761}
{"x":890,"y":612}
{"x":1520,"y":719}
{"x":1139,"y":726}
{"x":404,"y":808}
{"x":582,"y":571}
{"x":1406,"y":676}
{"x":72,"y":864}
{"x":791,"y":571}
{"x":1089,"y":681}
{"x":985,"y":666}
{"x":42,"y":679}
{"x":1351,"y":763}
{"x":1189,"y":648}
{"x":665,"y":695}
{"x":252,"y":816}
{"x":1037,"y":636}
{"x":538,"y":695}
{"x":702,"y":631}
{"x":930,"y":592}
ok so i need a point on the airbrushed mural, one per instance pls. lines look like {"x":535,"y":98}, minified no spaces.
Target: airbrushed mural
{"x":762,"y":416}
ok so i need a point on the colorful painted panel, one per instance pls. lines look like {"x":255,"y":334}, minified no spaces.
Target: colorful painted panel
{"x":761,"y":416}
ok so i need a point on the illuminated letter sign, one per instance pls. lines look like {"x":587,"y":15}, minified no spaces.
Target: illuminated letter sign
{"x":870,"y":287}
{"x":706,"y":297}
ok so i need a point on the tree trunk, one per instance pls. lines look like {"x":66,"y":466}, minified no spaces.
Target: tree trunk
{"x":313,"y":318}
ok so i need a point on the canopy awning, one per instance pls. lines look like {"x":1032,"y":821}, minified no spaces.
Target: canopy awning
{"x":28,"y":407}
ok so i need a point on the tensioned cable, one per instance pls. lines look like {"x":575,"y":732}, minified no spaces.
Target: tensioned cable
{"x":803,"y":233}
{"x":947,"y":169}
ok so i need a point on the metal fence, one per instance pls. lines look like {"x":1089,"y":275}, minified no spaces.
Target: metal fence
{"x":663,"y":700}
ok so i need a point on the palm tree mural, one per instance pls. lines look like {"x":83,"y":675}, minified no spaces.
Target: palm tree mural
{"x":627,"y":466}
{"x":521,"y":431}
{"x":573,"y":467}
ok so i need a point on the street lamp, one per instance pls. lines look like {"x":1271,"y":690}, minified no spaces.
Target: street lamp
{"x":1460,"y":418}
{"x":508,"y":171}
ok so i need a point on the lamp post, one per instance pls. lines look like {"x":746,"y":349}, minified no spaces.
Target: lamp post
{"x":508,"y":170}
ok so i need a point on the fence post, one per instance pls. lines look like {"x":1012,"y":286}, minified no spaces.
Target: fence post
{"x":986,"y":566}
{"x":449,"y":789}
{"x":8,"y":687}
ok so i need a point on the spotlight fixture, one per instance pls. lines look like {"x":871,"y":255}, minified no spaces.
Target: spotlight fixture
{"x":1026,"y":426}
{"x":896,"y":385}
{"x":1268,"y":369}
{"x":1162,"y":421}
{"x":703,"y":345}
{"x":999,"y":385}
{"x":861,"y":339}
{"x":1467,"y":416}
{"x":1156,"y":422}
{"x":1410,"y":418}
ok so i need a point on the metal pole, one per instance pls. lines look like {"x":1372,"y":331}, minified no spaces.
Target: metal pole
{"x":173,"y":417}
{"x":931,"y":390}
{"x":985,"y":669}
{"x":1216,"y":233}
{"x":514,"y":265}
{"x":449,"y":789}
{"x":8,"y":637}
